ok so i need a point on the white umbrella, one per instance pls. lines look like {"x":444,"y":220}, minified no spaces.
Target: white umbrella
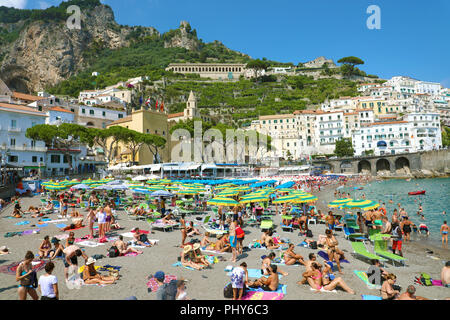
{"x":119,"y":187}
{"x":139,"y":178}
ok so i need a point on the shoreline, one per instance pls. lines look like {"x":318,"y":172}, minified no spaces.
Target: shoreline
{"x":326,"y":195}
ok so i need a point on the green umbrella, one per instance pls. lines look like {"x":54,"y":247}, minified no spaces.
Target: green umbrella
{"x":222,"y":202}
{"x":287,"y":199}
{"x":361,"y":204}
{"x":256,"y":198}
{"x":339,"y":202}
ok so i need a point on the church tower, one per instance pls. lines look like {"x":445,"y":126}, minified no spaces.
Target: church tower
{"x":191,"y":107}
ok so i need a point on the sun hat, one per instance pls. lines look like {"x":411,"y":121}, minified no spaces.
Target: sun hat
{"x":4,"y":248}
{"x":159,"y":275}
{"x":196,"y":246}
{"x":90,"y":261}
{"x":187,"y":248}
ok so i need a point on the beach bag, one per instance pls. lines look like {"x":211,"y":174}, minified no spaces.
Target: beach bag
{"x":113,"y":252}
{"x":313,"y":245}
{"x":309,"y":233}
{"x":425,"y":279}
{"x":170,"y":290}
{"x":228,"y":291}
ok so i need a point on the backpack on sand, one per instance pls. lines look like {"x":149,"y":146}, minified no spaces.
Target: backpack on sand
{"x":425,"y":279}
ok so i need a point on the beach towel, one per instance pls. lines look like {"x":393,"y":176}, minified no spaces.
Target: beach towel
{"x":437,"y":283}
{"x":69,"y":230}
{"x":363,"y":276}
{"x":55,"y":221}
{"x":212,"y":251}
{"x":60,"y":225}
{"x":131,"y":254}
{"x":254,"y":295}
{"x":26,"y":232}
{"x":370,"y":297}
{"x":142,"y":231}
{"x":10,"y":269}
{"x":22,"y":223}
{"x":153,"y":285}
{"x":323,"y":290}
{"x":255,"y":273}
{"x":91,"y":244}
{"x":42,"y":225}
{"x":178,"y":264}
{"x":324,"y":255}
{"x":62,"y":236}
{"x":281,"y":289}
{"x":109,"y":267}
{"x":12,"y":234}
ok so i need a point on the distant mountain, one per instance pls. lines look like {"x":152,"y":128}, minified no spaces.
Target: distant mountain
{"x":38,"y":51}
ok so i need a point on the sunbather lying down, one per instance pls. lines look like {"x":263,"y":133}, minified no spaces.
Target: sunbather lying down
{"x":318,"y":280}
{"x":166,"y":222}
{"x":72,"y":226}
{"x":221,"y":245}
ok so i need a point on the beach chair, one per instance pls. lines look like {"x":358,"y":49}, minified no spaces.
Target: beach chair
{"x":266,"y":224}
{"x":285,"y":227}
{"x":380,"y":248}
{"x":350,"y":234}
{"x":359,"y":249}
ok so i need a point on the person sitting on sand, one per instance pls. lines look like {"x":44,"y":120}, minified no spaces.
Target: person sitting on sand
{"x":290,"y":257}
{"x":123,"y":247}
{"x":316,"y":280}
{"x":35,"y":212}
{"x":334,"y":253}
{"x":140,"y":238}
{"x":312,"y":259}
{"x":205,"y":240}
{"x":45,"y":247}
{"x":410,"y":294}
{"x":191,"y":230}
{"x":387,"y":290}
{"x":269,"y":241}
{"x":57,"y":250}
{"x":187,"y":258}
{"x":266,"y":264}
{"x":48,"y":207}
{"x":221,"y":245}
{"x":445,"y":275}
{"x":71,"y":239}
{"x":91,"y":276}
{"x":198,"y":257}
{"x":264,"y":236}
{"x":267,"y":284}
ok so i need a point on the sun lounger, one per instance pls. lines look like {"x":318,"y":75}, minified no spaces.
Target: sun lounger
{"x":380,"y":248}
{"x":266,"y":224}
{"x":360,"y":249}
{"x":363,"y":276}
{"x":350,"y":233}
{"x":163,"y":226}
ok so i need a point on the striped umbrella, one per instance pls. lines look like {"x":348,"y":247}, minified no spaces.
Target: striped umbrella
{"x":228,"y":192}
{"x":287,"y":199}
{"x":228,"y":202}
{"x":306,"y":198}
{"x":339,"y":202}
{"x":361,"y":204}
{"x":285,"y":190}
{"x":256,"y":198}
{"x":188,"y":192}
{"x":55,"y":187}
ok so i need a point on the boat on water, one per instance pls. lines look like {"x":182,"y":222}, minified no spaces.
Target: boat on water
{"x":413,"y":193}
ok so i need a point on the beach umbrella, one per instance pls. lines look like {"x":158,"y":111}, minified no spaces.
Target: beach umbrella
{"x":55,"y":187}
{"x":339,"y":202}
{"x":286,"y":199}
{"x":256,"y":198}
{"x":118,"y":187}
{"x":80,"y":186}
{"x":103,"y":187}
{"x":306,"y":198}
{"x":162,"y":193}
{"x":361,"y":204}
{"x":218,"y":201}
{"x":228,"y":192}
{"x":188,"y":192}
{"x":285,"y":190}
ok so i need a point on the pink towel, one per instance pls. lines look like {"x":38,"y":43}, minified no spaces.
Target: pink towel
{"x":437,"y":283}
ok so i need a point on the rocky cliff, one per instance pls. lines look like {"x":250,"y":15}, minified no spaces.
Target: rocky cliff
{"x":46,"y":52}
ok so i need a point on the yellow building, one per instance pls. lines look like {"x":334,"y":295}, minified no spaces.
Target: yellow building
{"x":379,"y":106}
{"x":144,"y":121}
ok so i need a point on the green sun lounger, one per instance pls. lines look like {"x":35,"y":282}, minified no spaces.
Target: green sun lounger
{"x":266,"y":224}
{"x":360,"y":249}
{"x":380,"y":248}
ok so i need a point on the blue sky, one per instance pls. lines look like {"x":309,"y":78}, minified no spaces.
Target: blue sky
{"x":412,"y":41}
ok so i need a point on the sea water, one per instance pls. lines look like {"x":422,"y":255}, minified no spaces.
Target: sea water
{"x":434,"y":201}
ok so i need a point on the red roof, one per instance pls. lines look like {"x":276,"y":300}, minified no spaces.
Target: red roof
{"x":24,"y":96}
{"x":19,"y":108}
{"x":59,"y":109}
{"x":175,"y":115}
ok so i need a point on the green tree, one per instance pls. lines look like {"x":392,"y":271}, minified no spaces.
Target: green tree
{"x":344,"y":148}
{"x":348,"y":65}
{"x":445,"y":136}
{"x":154,"y":144}
{"x":258,"y":66}
{"x":62,"y":138}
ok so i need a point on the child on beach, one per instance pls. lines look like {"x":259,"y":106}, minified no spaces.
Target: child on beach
{"x":444,"y":232}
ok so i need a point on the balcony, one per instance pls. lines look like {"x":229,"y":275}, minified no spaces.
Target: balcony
{"x":28,"y":148}
{"x":14,"y":129}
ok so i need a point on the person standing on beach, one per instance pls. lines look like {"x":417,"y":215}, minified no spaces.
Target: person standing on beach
{"x":24,"y":274}
{"x":90,"y":219}
{"x":48,"y":283}
{"x":233,"y":239}
{"x":183,"y":230}
{"x":444,"y":232}
{"x":397,"y":239}
{"x":239,"y":278}
{"x":406,"y":227}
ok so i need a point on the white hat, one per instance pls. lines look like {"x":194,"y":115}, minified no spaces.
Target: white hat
{"x":90,"y":261}
{"x":4,"y":248}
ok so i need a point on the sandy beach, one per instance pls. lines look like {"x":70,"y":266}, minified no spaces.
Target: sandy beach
{"x":209,"y":283}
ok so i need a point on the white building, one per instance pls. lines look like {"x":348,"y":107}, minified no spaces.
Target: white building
{"x":425,"y":130}
{"x":58,"y":115}
{"x":21,"y":151}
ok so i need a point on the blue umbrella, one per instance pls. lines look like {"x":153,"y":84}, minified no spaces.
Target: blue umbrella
{"x":161,"y":193}
{"x":119,"y":187}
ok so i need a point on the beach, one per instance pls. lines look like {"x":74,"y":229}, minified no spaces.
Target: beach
{"x":207,"y":284}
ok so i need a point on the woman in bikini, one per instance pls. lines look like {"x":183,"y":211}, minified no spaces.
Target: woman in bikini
{"x":101,"y":219}
{"x":91,"y":276}
{"x":198,"y":257}
{"x":334,"y":253}
{"x":45,"y":247}
{"x":57,"y":250}
{"x":290,"y":257}
{"x":90,"y":219}
{"x":406,"y":227}
{"x":71,"y":239}
{"x":191,"y":230}
{"x":24,"y":276}
{"x":316,"y":280}
{"x":387,"y":290}
{"x":108,"y":218}
{"x":269,"y":241}
{"x":187,"y":258}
